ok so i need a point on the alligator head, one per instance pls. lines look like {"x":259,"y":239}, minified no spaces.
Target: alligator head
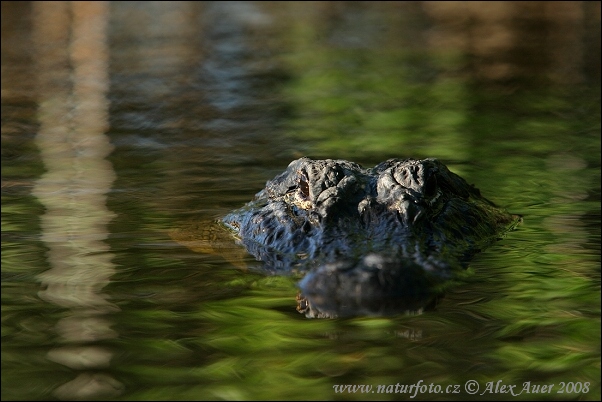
{"x":370,"y":241}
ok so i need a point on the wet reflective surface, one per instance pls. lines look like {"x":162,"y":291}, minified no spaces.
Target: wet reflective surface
{"x":125,"y":123}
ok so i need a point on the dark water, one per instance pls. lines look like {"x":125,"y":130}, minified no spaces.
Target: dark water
{"x":123,"y":122}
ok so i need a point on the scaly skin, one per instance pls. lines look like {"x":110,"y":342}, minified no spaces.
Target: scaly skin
{"x":370,"y":241}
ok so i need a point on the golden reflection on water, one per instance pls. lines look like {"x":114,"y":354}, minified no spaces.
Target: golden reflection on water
{"x":494,"y":33}
{"x":73,"y":81}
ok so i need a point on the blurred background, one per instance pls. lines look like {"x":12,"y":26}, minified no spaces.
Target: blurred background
{"x":125,"y":121}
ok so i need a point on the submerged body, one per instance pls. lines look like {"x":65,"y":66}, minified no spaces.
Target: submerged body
{"x":368,"y":240}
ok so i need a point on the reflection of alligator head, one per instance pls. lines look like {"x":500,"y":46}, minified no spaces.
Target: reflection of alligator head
{"x":371,"y":241}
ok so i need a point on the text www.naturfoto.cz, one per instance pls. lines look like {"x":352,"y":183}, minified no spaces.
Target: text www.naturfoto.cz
{"x":412,"y":389}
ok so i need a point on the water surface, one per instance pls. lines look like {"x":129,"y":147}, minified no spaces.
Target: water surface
{"x":122,"y":122}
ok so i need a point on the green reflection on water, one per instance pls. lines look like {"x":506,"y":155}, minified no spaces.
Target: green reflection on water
{"x":193,"y":326}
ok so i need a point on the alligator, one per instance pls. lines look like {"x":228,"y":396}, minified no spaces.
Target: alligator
{"x":367,"y":241}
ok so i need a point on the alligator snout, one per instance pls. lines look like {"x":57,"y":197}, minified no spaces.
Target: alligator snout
{"x":375,"y":284}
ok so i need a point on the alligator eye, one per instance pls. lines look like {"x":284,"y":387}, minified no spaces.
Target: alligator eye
{"x":430,"y":187}
{"x":304,"y":185}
